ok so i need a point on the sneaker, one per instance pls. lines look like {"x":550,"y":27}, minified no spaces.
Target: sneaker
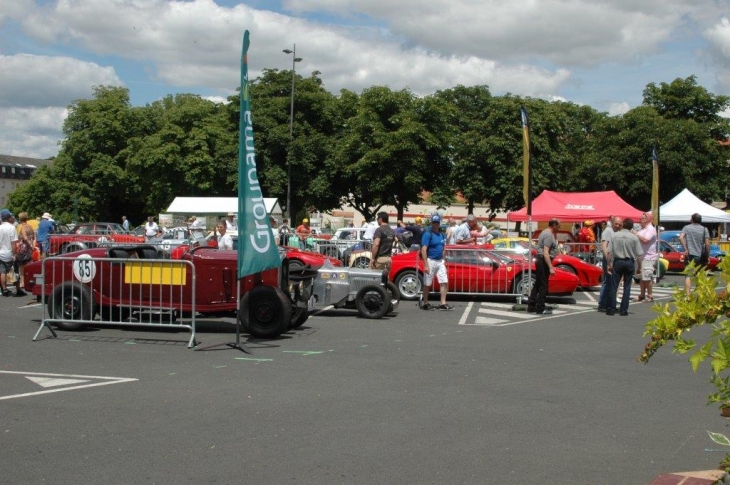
{"x":445,"y":306}
{"x":20,"y":292}
{"x":546,"y":311}
{"x":426,"y":306}
{"x":6,"y":292}
{"x":601,"y":309}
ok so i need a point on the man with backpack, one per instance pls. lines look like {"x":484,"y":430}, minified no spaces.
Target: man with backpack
{"x":432,"y":252}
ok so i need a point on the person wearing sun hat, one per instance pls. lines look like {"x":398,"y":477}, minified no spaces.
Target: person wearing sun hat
{"x":432,"y":253}
{"x":8,"y":248}
{"x":43,"y":234}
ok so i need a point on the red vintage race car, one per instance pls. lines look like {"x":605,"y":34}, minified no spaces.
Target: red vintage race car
{"x":588,"y":274}
{"x":298,"y":259}
{"x":120,"y":283}
{"x":91,"y":234}
{"x":474,"y":270}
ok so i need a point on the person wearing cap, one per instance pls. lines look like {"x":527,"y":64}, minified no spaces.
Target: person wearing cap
{"x":586,"y":235}
{"x":417,"y":230}
{"x":8,"y":249}
{"x":303,"y":231}
{"x":231,"y":224}
{"x":546,"y":243}
{"x":43,"y":235}
{"x":383,"y":241}
{"x":432,"y":252}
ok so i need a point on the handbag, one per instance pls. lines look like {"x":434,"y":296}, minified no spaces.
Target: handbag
{"x":25,"y":253}
{"x":705,"y":256}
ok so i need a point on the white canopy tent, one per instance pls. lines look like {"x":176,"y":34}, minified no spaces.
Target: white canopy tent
{"x":684,"y":204}
{"x":217,"y":206}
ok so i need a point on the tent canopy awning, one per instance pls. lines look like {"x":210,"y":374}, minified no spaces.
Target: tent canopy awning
{"x":684,"y":204}
{"x":577,"y":207}
{"x":216,"y":205}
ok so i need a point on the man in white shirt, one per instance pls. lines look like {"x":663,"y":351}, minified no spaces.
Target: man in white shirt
{"x":224,"y":240}
{"x":150,"y":228}
{"x":230,"y":222}
{"x":8,"y":248}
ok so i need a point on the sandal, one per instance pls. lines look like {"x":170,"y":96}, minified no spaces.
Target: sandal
{"x":638,"y":298}
{"x":649,"y":299}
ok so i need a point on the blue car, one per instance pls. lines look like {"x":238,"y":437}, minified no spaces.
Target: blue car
{"x":672,"y":237}
{"x":716,"y":252}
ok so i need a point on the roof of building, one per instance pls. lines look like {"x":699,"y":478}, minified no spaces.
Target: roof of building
{"x":23,"y":161}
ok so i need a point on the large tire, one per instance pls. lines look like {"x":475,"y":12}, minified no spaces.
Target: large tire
{"x":299,"y":316}
{"x":71,"y":302}
{"x":372,"y":302}
{"x":393,"y":294}
{"x":409,"y":284}
{"x":523,"y":286}
{"x":567,"y":268}
{"x":265,"y":312}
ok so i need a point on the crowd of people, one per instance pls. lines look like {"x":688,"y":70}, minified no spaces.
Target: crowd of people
{"x":18,"y":243}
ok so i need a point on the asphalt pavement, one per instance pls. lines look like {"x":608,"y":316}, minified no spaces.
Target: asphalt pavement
{"x":475,"y":395}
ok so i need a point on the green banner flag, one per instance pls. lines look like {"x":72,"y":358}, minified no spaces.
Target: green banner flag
{"x":257,"y":250}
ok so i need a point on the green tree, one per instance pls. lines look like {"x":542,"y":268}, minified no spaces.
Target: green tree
{"x":314,"y":126}
{"x":87,"y":179}
{"x":392,"y":148}
{"x":188,"y":152}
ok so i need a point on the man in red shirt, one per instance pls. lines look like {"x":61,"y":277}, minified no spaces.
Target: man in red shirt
{"x":303,"y":231}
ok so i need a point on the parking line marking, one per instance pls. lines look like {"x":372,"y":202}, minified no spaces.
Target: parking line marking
{"x":488,"y":321}
{"x":465,"y":315}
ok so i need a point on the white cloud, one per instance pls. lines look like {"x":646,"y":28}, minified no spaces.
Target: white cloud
{"x":618,"y":108}
{"x":719,"y":38}
{"x":31,"y":132}
{"x":29,"y":80}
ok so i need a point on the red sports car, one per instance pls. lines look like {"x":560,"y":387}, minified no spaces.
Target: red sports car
{"x":676,"y":258}
{"x":473,"y":270}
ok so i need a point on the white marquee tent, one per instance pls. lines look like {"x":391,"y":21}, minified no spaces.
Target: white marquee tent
{"x":217,"y":206}
{"x":684,"y":204}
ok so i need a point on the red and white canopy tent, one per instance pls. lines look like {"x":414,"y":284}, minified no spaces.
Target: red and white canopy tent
{"x":577,"y":207}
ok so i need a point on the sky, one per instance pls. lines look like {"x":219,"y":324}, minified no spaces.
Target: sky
{"x":600,"y":53}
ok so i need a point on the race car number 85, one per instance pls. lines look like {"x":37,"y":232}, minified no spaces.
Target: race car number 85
{"x":84,"y":268}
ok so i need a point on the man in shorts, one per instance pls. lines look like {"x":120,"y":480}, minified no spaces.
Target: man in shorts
{"x":432,"y":252}
{"x":383,"y":241}
{"x":647,"y":237}
{"x":693,"y":238}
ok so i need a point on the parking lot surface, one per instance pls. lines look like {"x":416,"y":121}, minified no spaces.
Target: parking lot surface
{"x":480,"y":394}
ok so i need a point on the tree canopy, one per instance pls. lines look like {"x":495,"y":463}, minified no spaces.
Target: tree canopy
{"x":374,"y":148}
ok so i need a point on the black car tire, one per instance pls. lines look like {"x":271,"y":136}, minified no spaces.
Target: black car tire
{"x":361,"y":262}
{"x":524,"y":287}
{"x":372,"y":302}
{"x":71,"y":302}
{"x":409,"y":284}
{"x":299,"y":316}
{"x":265,"y":312}
{"x":567,"y":268}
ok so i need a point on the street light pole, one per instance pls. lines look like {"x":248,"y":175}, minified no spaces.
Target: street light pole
{"x":294,"y":61}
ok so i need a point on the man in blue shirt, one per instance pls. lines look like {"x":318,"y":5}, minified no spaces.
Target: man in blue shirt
{"x":43,"y":235}
{"x":432,"y":252}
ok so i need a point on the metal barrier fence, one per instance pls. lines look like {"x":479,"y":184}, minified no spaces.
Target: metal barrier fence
{"x":483,"y":272}
{"x":340,"y":248}
{"x":588,"y":252}
{"x":133,"y":287}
